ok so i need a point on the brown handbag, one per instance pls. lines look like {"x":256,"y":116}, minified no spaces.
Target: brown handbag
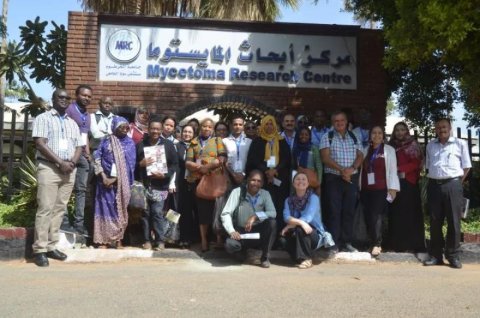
{"x":212,"y":186}
{"x":311,"y":175}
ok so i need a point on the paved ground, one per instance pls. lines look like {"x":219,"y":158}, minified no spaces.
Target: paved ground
{"x":219,"y":287}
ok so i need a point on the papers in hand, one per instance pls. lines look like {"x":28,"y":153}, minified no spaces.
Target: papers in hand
{"x":160,"y":164}
{"x":466,"y":206}
{"x":250,"y":236}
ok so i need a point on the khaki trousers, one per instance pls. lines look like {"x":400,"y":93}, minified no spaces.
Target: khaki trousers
{"x":54,"y":190}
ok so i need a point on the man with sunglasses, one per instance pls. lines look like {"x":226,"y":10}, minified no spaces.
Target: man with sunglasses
{"x":59,"y":147}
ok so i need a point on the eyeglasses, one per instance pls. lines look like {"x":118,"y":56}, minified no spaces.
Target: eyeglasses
{"x":64,"y":97}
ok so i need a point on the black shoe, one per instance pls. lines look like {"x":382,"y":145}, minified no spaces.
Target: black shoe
{"x":455,"y":263}
{"x":41,"y":259}
{"x":56,"y":254}
{"x":433,"y":261}
{"x":349,"y":248}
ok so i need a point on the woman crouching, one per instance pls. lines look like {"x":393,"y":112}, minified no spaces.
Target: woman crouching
{"x":304,"y":231}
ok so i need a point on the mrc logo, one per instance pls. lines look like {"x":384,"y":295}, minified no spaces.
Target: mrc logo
{"x":123,"y":46}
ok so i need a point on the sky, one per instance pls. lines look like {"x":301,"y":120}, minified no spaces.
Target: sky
{"x":19,"y":11}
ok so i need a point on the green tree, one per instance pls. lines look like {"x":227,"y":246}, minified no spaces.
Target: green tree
{"x":258,"y":10}
{"x":44,"y":54}
{"x":430,"y":39}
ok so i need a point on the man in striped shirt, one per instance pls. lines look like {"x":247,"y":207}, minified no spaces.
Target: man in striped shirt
{"x":59,"y":145}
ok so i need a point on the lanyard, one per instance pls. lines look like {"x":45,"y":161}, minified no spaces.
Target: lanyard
{"x":373,"y":157}
{"x":62,"y":124}
{"x":238,"y":142}
{"x":82,"y":116}
{"x":288,"y":140}
{"x":254,"y":202}
{"x":203,"y":144}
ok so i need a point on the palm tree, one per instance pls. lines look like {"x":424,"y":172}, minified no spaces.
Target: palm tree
{"x":258,"y":10}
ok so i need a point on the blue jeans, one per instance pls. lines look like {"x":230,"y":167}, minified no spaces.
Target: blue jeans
{"x":80,"y":190}
{"x":153,"y":219}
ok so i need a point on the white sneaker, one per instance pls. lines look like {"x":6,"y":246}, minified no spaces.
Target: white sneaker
{"x":376,"y":250}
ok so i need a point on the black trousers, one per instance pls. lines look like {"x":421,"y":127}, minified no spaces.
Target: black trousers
{"x":444,"y":201}
{"x":374,"y":207}
{"x":301,"y":245}
{"x":267,"y":230}
{"x":340,"y":197}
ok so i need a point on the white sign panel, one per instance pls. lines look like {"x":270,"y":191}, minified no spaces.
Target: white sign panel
{"x":174,"y":55}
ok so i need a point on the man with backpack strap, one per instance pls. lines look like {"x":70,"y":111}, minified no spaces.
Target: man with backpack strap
{"x":342,"y":157}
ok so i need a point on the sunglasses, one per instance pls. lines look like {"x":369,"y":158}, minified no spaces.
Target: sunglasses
{"x":250,"y":127}
{"x":64,"y":97}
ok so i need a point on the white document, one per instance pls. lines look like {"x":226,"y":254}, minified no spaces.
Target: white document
{"x":113,"y":171}
{"x":466,"y":206}
{"x":371,"y":178}
{"x":271,"y":163}
{"x":250,"y":236}
{"x":158,"y":153}
{"x":277,"y":182}
{"x":389,"y":198}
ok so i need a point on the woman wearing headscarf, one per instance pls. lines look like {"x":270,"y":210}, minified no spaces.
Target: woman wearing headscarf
{"x":307,"y":155}
{"x":206,"y":155}
{"x":140,"y":125}
{"x":270,"y":153}
{"x":304,"y":231}
{"x":114,"y":166}
{"x":406,"y":227}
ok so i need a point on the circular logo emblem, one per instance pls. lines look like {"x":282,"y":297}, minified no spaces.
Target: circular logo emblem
{"x":123,"y":46}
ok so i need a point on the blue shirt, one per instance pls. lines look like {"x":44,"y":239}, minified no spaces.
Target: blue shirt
{"x":311,"y":214}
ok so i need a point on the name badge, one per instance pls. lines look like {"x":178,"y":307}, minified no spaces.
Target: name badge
{"x":113,"y":172}
{"x":85,"y":138}
{"x":371,"y":178}
{"x":238,"y":166}
{"x":401,"y":175}
{"x":63,"y":144}
{"x":271,"y":163}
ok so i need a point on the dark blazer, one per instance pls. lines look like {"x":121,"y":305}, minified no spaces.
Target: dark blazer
{"x":172,"y":164}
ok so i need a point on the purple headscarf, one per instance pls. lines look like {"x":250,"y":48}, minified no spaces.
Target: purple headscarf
{"x":117,"y":121}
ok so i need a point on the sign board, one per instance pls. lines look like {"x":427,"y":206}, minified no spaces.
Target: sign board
{"x":197,"y":56}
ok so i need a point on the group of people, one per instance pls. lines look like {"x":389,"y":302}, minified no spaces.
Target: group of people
{"x":296,"y":188}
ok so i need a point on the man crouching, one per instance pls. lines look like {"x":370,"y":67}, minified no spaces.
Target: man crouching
{"x":250,"y":212}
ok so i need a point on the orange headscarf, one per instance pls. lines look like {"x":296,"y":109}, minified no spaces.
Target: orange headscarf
{"x":272,"y":147}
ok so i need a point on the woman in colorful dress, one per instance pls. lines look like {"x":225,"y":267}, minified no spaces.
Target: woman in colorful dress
{"x":114,"y":166}
{"x":205,"y":155}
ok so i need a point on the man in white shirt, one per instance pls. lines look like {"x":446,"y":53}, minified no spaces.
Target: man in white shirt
{"x":448,"y":163}
{"x":237,"y":146}
{"x":101,"y":122}
{"x":288,"y":125}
